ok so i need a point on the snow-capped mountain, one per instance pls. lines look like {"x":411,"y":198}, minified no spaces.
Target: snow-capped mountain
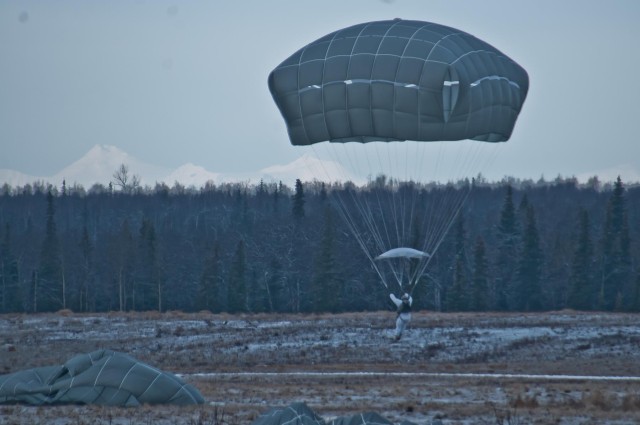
{"x":16,"y":178}
{"x":99,"y":164}
{"x":308,"y":168}
{"x":192,"y":175}
{"x":96,"y":166}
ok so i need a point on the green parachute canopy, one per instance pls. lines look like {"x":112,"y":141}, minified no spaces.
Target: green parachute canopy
{"x":398,"y":80}
{"x":390,"y":86}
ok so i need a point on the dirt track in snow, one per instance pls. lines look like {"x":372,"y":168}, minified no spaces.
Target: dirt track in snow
{"x":548,"y":368}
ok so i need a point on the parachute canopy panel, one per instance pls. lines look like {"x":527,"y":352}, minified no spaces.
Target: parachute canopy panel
{"x":402,"y":252}
{"x":398,"y":80}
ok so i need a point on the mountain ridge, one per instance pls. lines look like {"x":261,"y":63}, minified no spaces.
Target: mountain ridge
{"x":100,"y":163}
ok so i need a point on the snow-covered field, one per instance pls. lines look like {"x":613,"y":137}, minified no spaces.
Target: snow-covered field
{"x":563,"y":368}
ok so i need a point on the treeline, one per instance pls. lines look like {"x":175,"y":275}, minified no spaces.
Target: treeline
{"x":515,"y":246}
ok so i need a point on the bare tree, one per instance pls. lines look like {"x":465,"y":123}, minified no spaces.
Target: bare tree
{"x":127,"y":183}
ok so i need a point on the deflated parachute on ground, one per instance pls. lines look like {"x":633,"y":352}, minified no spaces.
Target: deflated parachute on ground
{"x":301,"y":414}
{"x":398,"y":80}
{"x":102,"y":377}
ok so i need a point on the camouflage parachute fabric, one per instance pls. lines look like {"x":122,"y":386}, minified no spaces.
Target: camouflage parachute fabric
{"x":102,"y":377}
{"x":301,"y":414}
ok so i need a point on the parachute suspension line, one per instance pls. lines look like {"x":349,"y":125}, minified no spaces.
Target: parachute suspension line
{"x":378,"y":228}
{"x":396,"y":198}
{"x":382,"y":246}
{"x":370,"y":223}
{"x":422,"y":267}
{"x":365,"y":213}
{"x":429,"y":217}
{"x":350,"y":224}
{"x":418,"y":153}
{"x":447,"y":205}
{"x":391,"y":209}
{"x":403,"y":188}
{"x":414,"y":212}
{"x":406,"y":222}
{"x":377,"y":193}
{"x":381,"y":209}
{"x":454,"y":203}
{"x":434,"y":209}
{"x":392,"y":194}
{"x":416,"y":190}
{"x":403,"y":196}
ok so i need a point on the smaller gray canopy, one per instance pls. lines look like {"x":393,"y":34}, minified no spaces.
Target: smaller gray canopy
{"x":102,"y":377}
{"x":402,"y":252}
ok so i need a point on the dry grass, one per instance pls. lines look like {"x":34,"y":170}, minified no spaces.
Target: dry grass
{"x":567,"y":343}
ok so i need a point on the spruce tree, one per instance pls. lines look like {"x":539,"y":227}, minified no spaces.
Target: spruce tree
{"x":581,"y":290}
{"x":149,"y":279}
{"x":326,"y":284}
{"x":122,"y":253}
{"x":323,"y":192}
{"x":507,"y":248}
{"x":10,"y":290}
{"x":457,"y":296}
{"x":48,"y":282}
{"x":211,"y":294}
{"x":616,"y":256}
{"x":261,"y":191}
{"x":523,"y":208}
{"x":237,"y":292}
{"x":276,"y":198}
{"x":275,"y":286}
{"x":86,"y":250}
{"x":528,"y":296}
{"x":298,"y":201}
{"x":479,"y":300}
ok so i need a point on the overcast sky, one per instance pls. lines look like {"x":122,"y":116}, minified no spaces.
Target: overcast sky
{"x":172,"y":82}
